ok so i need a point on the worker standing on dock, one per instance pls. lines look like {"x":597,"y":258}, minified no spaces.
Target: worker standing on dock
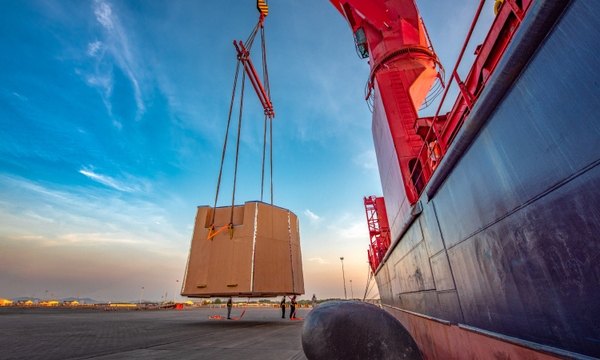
{"x":282,"y":305}
{"x":229,"y":305}
{"x":293,"y":307}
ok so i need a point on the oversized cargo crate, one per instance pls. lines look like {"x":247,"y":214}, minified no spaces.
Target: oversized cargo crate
{"x":261,"y":258}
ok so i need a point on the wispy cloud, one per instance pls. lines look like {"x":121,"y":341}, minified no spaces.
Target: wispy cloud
{"x":110,"y":181}
{"x":350,"y":226}
{"x":23,"y":98}
{"x":26,"y":237}
{"x":312,"y":216}
{"x":111,"y":238}
{"x":318,"y":260}
{"x":76,"y":215}
{"x":113,"y":50}
{"x":367,"y":160}
{"x":103,"y":14}
{"x":93,"y":48}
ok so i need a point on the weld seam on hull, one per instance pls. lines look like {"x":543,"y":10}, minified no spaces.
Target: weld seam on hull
{"x":441,"y":321}
{"x":551,"y":189}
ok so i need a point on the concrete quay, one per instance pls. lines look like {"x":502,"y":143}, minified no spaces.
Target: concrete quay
{"x":85,"y":333}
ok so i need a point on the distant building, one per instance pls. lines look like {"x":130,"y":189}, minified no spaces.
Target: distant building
{"x":123,"y":305}
{"x":49,"y":303}
{"x":5,"y":302}
{"x":24,"y":303}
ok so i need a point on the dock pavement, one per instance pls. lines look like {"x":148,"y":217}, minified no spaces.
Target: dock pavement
{"x":85,"y":333}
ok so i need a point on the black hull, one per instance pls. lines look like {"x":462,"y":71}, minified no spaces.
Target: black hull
{"x":508,"y":239}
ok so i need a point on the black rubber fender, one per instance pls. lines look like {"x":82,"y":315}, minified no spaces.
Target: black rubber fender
{"x":355,"y":330}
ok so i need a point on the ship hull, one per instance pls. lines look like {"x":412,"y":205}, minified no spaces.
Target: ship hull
{"x":504,"y":243}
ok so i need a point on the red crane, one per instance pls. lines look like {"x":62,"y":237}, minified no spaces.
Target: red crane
{"x":379,"y":230}
{"x":404,"y":67}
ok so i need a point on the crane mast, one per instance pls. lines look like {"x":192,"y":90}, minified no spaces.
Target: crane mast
{"x":403,"y":69}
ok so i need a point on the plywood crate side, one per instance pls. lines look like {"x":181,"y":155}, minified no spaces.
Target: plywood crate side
{"x":272,"y":266}
{"x":224,"y":266}
{"x":295,"y":229}
{"x":223,"y":215}
{"x":240,"y":271}
{"x":197,"y":266}
{"x":248,"y":220}
{"x":298,"y":269}
{"x":265,"y":219}
{"x":280,"y":225}
{"x":203,"y":216}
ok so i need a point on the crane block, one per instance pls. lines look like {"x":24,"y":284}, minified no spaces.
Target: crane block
{"x":262,"y":7}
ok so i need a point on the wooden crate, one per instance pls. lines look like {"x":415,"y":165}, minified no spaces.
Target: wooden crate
{"x":262,"y":259}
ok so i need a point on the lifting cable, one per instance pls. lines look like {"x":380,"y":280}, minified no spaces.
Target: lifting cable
{"x":237,"y":152}
{"x":265,"y":97}
{"x":268,"y":119}
{"x":211,"y":230}
{"x":369,"y":278}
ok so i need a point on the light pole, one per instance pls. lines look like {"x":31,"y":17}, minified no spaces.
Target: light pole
{"x":344,"y":277}
{"x":141,"y":294}
{"x":351,"y":291}
{"x":175,"y":293}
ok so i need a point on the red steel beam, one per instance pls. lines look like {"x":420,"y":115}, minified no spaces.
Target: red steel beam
{"x":244,"y":56}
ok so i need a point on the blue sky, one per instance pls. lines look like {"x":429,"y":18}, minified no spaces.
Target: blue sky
{"x":112,"y":117}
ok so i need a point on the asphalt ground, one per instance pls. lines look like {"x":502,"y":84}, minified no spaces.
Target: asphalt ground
{"x":85,"y":333}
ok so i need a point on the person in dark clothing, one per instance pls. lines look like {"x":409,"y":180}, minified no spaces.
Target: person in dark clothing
{"x":282,"y":305}
{"x":293,"y":307}
{"x":229,"y":305}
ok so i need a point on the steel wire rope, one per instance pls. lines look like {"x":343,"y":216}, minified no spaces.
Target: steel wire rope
{"x":371,"y":288}
{"x":250,"y":39}
{"x":262,"y":180}
{"x":237,"y":70}
{"x":249,"y":43}
{"x":271,"y":160}
{"x":369,"y":278}
{"x":237,"y":149}
{"x":270,"y":117}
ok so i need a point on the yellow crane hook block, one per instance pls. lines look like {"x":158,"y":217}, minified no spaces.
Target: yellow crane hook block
{"x":262,"y":6}
{"x":261,"y":259}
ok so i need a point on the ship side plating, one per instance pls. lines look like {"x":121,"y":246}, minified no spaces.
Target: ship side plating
{"x":505,"y":238}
